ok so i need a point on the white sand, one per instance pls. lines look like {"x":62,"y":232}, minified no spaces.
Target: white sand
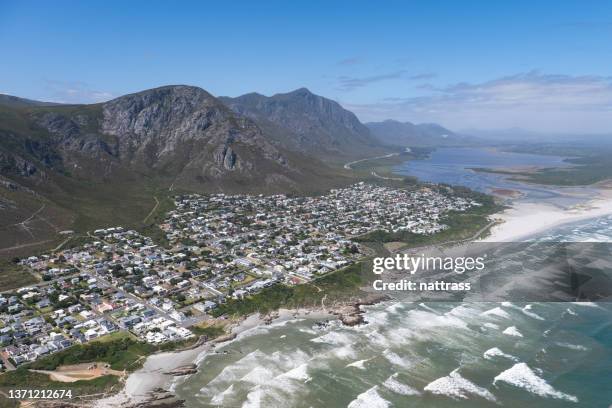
{"x":525,"y":219}
{"x":151,"y":375}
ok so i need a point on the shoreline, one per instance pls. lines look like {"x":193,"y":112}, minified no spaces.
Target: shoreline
{"x":155,"y":376}
{"x":525,"y":219}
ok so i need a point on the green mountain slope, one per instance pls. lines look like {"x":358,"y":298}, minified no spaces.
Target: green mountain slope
{"x":110,"y":163}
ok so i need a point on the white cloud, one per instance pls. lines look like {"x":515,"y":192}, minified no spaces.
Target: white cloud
{"x":346,"y":83}
{"x":536,"y":101}
{"x":74,"y":92}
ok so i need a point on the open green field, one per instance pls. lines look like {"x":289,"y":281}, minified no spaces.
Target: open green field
{"x":13,"y":276}
{"x":211,"y":331}
{"x":121,"y":350}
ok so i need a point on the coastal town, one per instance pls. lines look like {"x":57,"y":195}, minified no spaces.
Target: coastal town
{"x":217,"y":247}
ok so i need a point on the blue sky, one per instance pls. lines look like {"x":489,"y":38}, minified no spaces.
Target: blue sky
{"x":539,"y":65}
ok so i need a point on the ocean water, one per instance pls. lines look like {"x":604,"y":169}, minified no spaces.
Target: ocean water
{"x":593,"y":230}
{"x":423,"y":355}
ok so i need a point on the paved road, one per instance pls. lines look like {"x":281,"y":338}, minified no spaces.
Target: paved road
{"x":387,"y":178}
{"x":349,"y":164}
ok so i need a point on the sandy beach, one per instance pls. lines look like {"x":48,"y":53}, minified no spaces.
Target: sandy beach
{"x":153,"y":374}
{"x":524,"y":219}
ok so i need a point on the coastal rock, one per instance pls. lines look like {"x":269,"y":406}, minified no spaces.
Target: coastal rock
{"x":159,"y":398}
{"x":183,"y":370}
{"x":270,"y":317}
{"x":349,"y":315}
{"x":352,"y":314}
{"x":223,"y":339}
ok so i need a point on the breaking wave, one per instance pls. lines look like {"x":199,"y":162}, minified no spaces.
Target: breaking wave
{"x":494,"y":352}
{"x":369,"y":399}
{"x":397,"y":387}
{"x":521,"y":376}
{"x":457,"y":387}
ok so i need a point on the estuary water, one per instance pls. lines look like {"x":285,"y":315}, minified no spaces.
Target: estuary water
{"x":455,"y":166}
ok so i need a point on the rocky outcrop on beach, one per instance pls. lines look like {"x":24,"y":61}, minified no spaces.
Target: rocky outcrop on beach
{"x":352,"y":314}
{"x":349,"y":315}
{"x":159,"y":398}
{"x":183,"y":370}
{"x":224,"y":338}
{"x":270,"y":317}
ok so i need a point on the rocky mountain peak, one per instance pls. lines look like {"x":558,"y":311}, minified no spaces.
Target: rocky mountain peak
{"x":306,"y":121}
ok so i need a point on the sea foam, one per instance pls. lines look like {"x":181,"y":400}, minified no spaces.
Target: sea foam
{"x":254,"y":397}
{"x":220,"y":398}
{"x":521,"y":376}
{"x":298,"y":373}
{"x":333,"y":337}
{"x":397,"y":387}
{"x":494,"y":352}
{"x":570,"y":346}
{"x":512,"y":331}
{"x":528,"y":312}
{"x":394,"y":358}
{"x":369,"y":399}
{"x":358,"y":364}
{"x":457,"y":387}
{"x":496,"y":311}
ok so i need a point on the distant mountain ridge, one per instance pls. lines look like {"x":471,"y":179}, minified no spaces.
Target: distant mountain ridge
{"x":307,"y":122}
{"x":17,"y":102}
{"x":398,"y":133}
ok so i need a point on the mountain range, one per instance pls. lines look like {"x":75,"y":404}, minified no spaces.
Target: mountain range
{"x":83,"y":166}
{"x":397,"y":133}
{"x":309,"y":123}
